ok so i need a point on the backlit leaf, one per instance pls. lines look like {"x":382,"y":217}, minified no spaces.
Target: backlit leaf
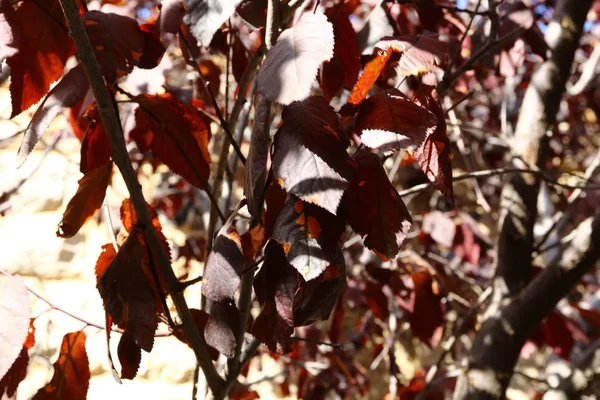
{"x":177,"y":134}
{"x":14,"y":314}
{"x":128,"y":295}
{"x":292,"y":64}
{"x":310,"y":154}
{"x":95,"y":147}
{"x":435,"y":154}
{"x":421,"y":54}
{"x":71,"y":378}
{"x":370,"y":74}
{"x":275,"y":285}
{"x":130,"y":356}
{"x":200,"y":319}
{"x":256,"y":164}
{"x":37,"y":45}
{"x":374,"y":209}
{"x":88,"y":199}
{"x":15,"y":375}
{"x":225,"y":264}
{"x":389,"y":121}
{"x":309,"y":236}
{"x":117,"y":40}
{"x":72,"y":87}
{"x":425,"y":315}
{"x":205,"y":17}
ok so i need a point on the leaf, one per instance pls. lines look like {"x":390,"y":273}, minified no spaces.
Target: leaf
{"x":292,"y":64}
{"x":176,"y":134}
{"x":71,"y":88}
{"x":130,"y":356}
{"x":275,"y":285}
{"x":153,"y":50}
{"x":37,"y":46}
{"x":256,"y":164}
{"x":95,"y":147}
{"x":15,"y":375}
{"x":374,"y":209}
{"x":71,"y":377}
{"x":557,"y":335}
{"x":117,"y":40}
{"x":200,"y":319}
{"x":310,"y":154}
{"x":369,"y":76}
{"x":343,"y":68}
{"x":128,"y":295}
{"x":225,"y":264}
{"x":389,"y":121}
{"x":14,"y":314}
{"x":223,"y":326}
{"x":315,"y":300}
{"x":435,"y":154}
{"x":88,"y":199}
{"x":421,"y":54}
{"x":309,"y":236}
{"x":425,"y":314}
{"x":171,"y":16}
{"x":590,"y":316}
{"x":205,"y":17}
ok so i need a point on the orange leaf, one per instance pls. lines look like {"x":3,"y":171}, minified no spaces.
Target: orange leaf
{"x":87,"y":200}
{"x":71,"y":377}
{"x":41,"y":39}
{"x":369,"y":76}
{"x":177,"y":134}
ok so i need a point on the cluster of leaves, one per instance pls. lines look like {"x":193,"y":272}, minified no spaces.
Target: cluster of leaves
{"x":349,"y":101}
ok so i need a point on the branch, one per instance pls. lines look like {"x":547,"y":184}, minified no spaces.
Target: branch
{"x":498,"y":344}
{"x":108,"y":113}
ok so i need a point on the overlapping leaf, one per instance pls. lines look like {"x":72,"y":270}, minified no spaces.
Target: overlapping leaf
{"x":275,"y":285}
{"x":374,"y":209}
{"x":130,"y":356}
{"x":223,"y":326}
{"x":310,"y":154}
{"x":72,"y":87}
{"x":225,"y":264}
{"x":256,"y":164}
{"x":389,"y":121}
{"x":88,"y":199}
{"x":71,"y":377}
{"x":14,"y":314}
{"x":309,"y":236}
{"x":292,"y":64}
{"x":370,"y":74}
{"x":200,"y":320}
{"x":36,"y":45}
{"x":435,"y":155}
{"x":95,"y":147}
{"x":421,"y":54}
{"x":205,"y":17}
{"x":176,"y":133}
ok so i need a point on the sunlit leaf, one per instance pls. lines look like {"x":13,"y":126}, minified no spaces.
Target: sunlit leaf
{"x":223,"y":326}
{"x":292,"y":64}
{"x":421,"y":54}
{"x":14,"y":314}
{"x":370,"y":74}
{"x":205,"y":17}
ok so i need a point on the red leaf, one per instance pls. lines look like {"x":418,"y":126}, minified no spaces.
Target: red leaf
{"x":426,"y":316}
{"x":225,"y":264}
{"x":200,"y":319}
{"x":389,"y":121}
{"x":292,"y":64}
{"x":256,"y":164}
{"x":591,"y":316}
{"x":374,"y":208}
{"x":309,"y":236}
{"x":128,"y":295}
{"x":72,"y":87}
{"x":369,"y":76}
{"x":118,"y":42}
{"x":39,"y":47}
{"x":153,"y":49}
{"x":71,"y":377}
{"x":14,"y":314}
{"x":15,"y":375}
{"x":95,"y":147}
{"x":310,"y":154}
{"x":421,"y":54}
{"x":275,"y":285}
{"x":87,"y":200}
{"x":176,"y":133}
{"x":130,"y":356}
{"x":343,"y":68}
{"x":557,"y":335}
{"x":435,"y":155}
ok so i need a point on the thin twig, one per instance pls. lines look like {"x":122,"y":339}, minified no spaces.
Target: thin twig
{"x":114,"y":130}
